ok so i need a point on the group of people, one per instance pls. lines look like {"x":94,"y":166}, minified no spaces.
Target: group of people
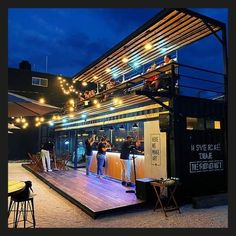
{"x":128,"y":145}
{"x":158,"y":81}
{"x":86,"y":95}
{"x":103,"y":146}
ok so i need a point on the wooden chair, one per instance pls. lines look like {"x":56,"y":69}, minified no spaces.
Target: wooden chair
{"x":62,"y":161}
{"x":36,"y":162}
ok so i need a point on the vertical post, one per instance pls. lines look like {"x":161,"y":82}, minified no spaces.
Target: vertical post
{"x":173,"y":79}
{"x":225,"y":60}
{"x":171,"y":136}
{"x":46,"y":64}
{"x":75,"y":150}
{"x":111,"y":136}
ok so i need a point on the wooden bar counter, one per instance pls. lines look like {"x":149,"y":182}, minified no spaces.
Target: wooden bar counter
{"x":113,"y":166}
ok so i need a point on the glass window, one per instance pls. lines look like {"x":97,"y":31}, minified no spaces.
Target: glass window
{"x":37,"y":81}
{"x":209,"y":124}
{"x":193,"y":123}
{"x":217,"y":124}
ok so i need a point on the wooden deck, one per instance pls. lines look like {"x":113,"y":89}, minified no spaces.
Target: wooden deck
{"x":93,"y":195}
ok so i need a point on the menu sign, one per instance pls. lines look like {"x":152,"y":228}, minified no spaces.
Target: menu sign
{"x":155,"y":149}
{"x":207,"y":158}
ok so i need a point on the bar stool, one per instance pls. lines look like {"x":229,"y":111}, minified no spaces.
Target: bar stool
{"x":159,"y":187}
{"x":22,"y":207}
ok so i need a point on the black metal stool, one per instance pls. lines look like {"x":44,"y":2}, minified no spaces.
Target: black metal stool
{"x":22,"y":207}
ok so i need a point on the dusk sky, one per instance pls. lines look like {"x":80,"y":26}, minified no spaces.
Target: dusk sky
{"x":73,"y":38}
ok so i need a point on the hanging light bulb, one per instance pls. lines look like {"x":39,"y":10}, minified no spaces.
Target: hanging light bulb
{"x":111,"y":128}
{"x":122,"y":127}
{"x":101,"y":129}
{"x":135,"y":126}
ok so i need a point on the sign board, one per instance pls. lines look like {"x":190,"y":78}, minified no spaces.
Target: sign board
{"x":155,"y":149}
{"x":205,"y":157}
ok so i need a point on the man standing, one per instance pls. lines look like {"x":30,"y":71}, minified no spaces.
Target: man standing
{"x":126,"y":162}
{"x":89,"y":152}
{"x":47,"y":147}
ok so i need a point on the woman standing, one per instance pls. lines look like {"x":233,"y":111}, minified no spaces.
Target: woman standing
{"x":101,"y":154}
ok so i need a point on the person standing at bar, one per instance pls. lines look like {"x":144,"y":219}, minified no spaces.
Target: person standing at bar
{"x":126,"y":162}
{"x":88,"y":152}
{"x":101,"y":154}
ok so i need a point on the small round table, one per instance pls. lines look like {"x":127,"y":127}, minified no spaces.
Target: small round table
{"x":15,"y":187}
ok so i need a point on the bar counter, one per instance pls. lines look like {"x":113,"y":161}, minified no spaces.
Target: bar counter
{"x":113,"y":166}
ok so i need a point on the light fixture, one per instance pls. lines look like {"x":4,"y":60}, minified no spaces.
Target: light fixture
{"x":64,"y":120}
{"x":98,"y":105}
{"x":71,"y":109}
{"x":59,"y":78}
{"x":25,"y":125}
{"x":51,"y":123}
{"x":111,"y":128}
{"x":135,"y":126}
{"x":58,"y":117}
{"x":112,"y":108}
{"x":148,"y":46}
{"x":95,"y":77}
{"x":67,"y":142}
{"x":122,"y":127}
{"x":84,"y":83}
{"x":95,"y":101}
{"x":125,"y":60}
{"x":101,"y":129}
{"x":83,"y":116}
{"x":42,"y":119}
{"x":163,"y":50}
{"x":108,"y":70}
{"x":42,"y":100}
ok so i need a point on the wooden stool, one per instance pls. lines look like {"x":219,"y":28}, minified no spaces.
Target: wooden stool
{"x":171,"y":186}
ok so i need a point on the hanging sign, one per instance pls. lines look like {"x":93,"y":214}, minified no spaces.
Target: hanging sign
{"x":155,"y":149}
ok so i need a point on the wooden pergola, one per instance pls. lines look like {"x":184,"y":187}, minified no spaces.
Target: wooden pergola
{"x":169,"y":30}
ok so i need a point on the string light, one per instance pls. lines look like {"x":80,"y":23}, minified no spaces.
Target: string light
{"x":84,"y":83}
{"x":148,"y":46}
{"x":125,"y":60}
{"x":42,"y":100}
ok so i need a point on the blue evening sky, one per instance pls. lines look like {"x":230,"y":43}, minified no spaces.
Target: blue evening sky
{"x":73,"y":38}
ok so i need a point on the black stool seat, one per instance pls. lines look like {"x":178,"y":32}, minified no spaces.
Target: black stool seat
{"x":21,"y":208}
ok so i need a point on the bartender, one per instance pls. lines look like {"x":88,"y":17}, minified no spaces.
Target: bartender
{"x":126,"y":148}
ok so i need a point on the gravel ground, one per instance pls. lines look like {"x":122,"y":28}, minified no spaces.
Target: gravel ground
{"x":54,"y":211}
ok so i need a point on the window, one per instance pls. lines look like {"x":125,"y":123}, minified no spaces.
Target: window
{"x":195,"y":123}
{"x":217,"y":124}
{"x":37,"y":81}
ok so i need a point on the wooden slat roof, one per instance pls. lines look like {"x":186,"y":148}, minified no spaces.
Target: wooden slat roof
{"x":170,"y":30}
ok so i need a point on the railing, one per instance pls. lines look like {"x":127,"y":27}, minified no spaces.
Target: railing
{"x":191,"y":81}
{"x":200,"y":82}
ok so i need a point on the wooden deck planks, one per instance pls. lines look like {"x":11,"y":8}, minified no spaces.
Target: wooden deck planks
{"x":94,"y":195}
